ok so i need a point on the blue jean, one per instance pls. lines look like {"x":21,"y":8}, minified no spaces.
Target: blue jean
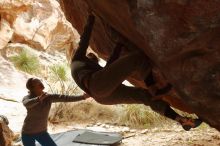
{"x":43,"y":138}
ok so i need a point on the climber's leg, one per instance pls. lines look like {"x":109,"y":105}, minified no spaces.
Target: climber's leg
{"x":126,"y":95}
{"x":102,"y":83}
{"x":164,"y":109}
{"x":133,"y":95}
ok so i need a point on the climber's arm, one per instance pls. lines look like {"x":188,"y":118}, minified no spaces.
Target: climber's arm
{"x":84,"y":39}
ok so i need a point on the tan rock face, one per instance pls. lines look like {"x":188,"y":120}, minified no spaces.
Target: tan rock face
{"x":180,"y":37}
{"x":6,"y":33}
{"x":12,"y":81}
{"x":40,"y":24}
{"x":6,"y":135}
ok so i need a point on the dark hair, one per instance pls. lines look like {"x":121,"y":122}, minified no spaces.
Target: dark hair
{"x":29,"y":84}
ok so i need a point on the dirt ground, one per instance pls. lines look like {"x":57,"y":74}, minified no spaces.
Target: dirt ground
{"x":172,"y":135}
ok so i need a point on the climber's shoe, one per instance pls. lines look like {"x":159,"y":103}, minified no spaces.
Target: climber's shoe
{"x":188,"y":123}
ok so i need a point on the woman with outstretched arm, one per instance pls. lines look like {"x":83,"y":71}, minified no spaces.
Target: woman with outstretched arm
{"x":38,"y":104}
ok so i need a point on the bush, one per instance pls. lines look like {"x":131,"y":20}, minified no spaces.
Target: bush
{"x":26,"y":62}
{"x":83,"y":112}
{"x":61,"y":81}
{"x":58,"y":73}
{"x":140,"y":116}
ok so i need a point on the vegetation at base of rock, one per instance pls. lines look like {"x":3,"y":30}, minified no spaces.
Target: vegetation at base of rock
{"x":84,"y":111}
{"x":136,"y":115}
{"x":26,"y":62}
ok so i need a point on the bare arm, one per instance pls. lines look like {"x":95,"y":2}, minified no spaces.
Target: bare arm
{"x":66,"y":98}
{"x":84,"y":39}
{"x":115,"y":54}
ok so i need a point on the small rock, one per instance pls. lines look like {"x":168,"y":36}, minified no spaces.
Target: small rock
{"x":107,"y":126}
{"x":98,"y":124}
{"x":144,"y":131}
{"x":125,"y":129}
{"x":133,"y":131}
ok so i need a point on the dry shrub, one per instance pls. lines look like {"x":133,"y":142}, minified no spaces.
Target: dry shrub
{"x":84,"y":111}
{"x":140,"y":116}
{"x":135,"y":116}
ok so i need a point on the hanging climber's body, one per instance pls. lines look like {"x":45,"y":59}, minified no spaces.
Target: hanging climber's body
{"x":105,"y":84}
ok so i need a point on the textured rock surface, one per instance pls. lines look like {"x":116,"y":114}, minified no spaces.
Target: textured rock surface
{"x":181,"y":37}
{"x":40,"y":24}
{"x":6,"y":135}
{"x":11,"y":79}
{"x":12,"y":85}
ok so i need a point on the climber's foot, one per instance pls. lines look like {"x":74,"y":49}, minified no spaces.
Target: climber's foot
{"x":188,"y":123}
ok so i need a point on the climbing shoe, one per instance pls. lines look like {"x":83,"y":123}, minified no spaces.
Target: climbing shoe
{"x":188,"y":123}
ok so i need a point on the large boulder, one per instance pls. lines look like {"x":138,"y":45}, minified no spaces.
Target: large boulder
{"x":181,"y":38}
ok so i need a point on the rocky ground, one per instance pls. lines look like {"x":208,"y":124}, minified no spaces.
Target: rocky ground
{"x":172,"y":135}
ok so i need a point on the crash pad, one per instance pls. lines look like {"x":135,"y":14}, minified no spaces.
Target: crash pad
{"x":84,"y":137}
